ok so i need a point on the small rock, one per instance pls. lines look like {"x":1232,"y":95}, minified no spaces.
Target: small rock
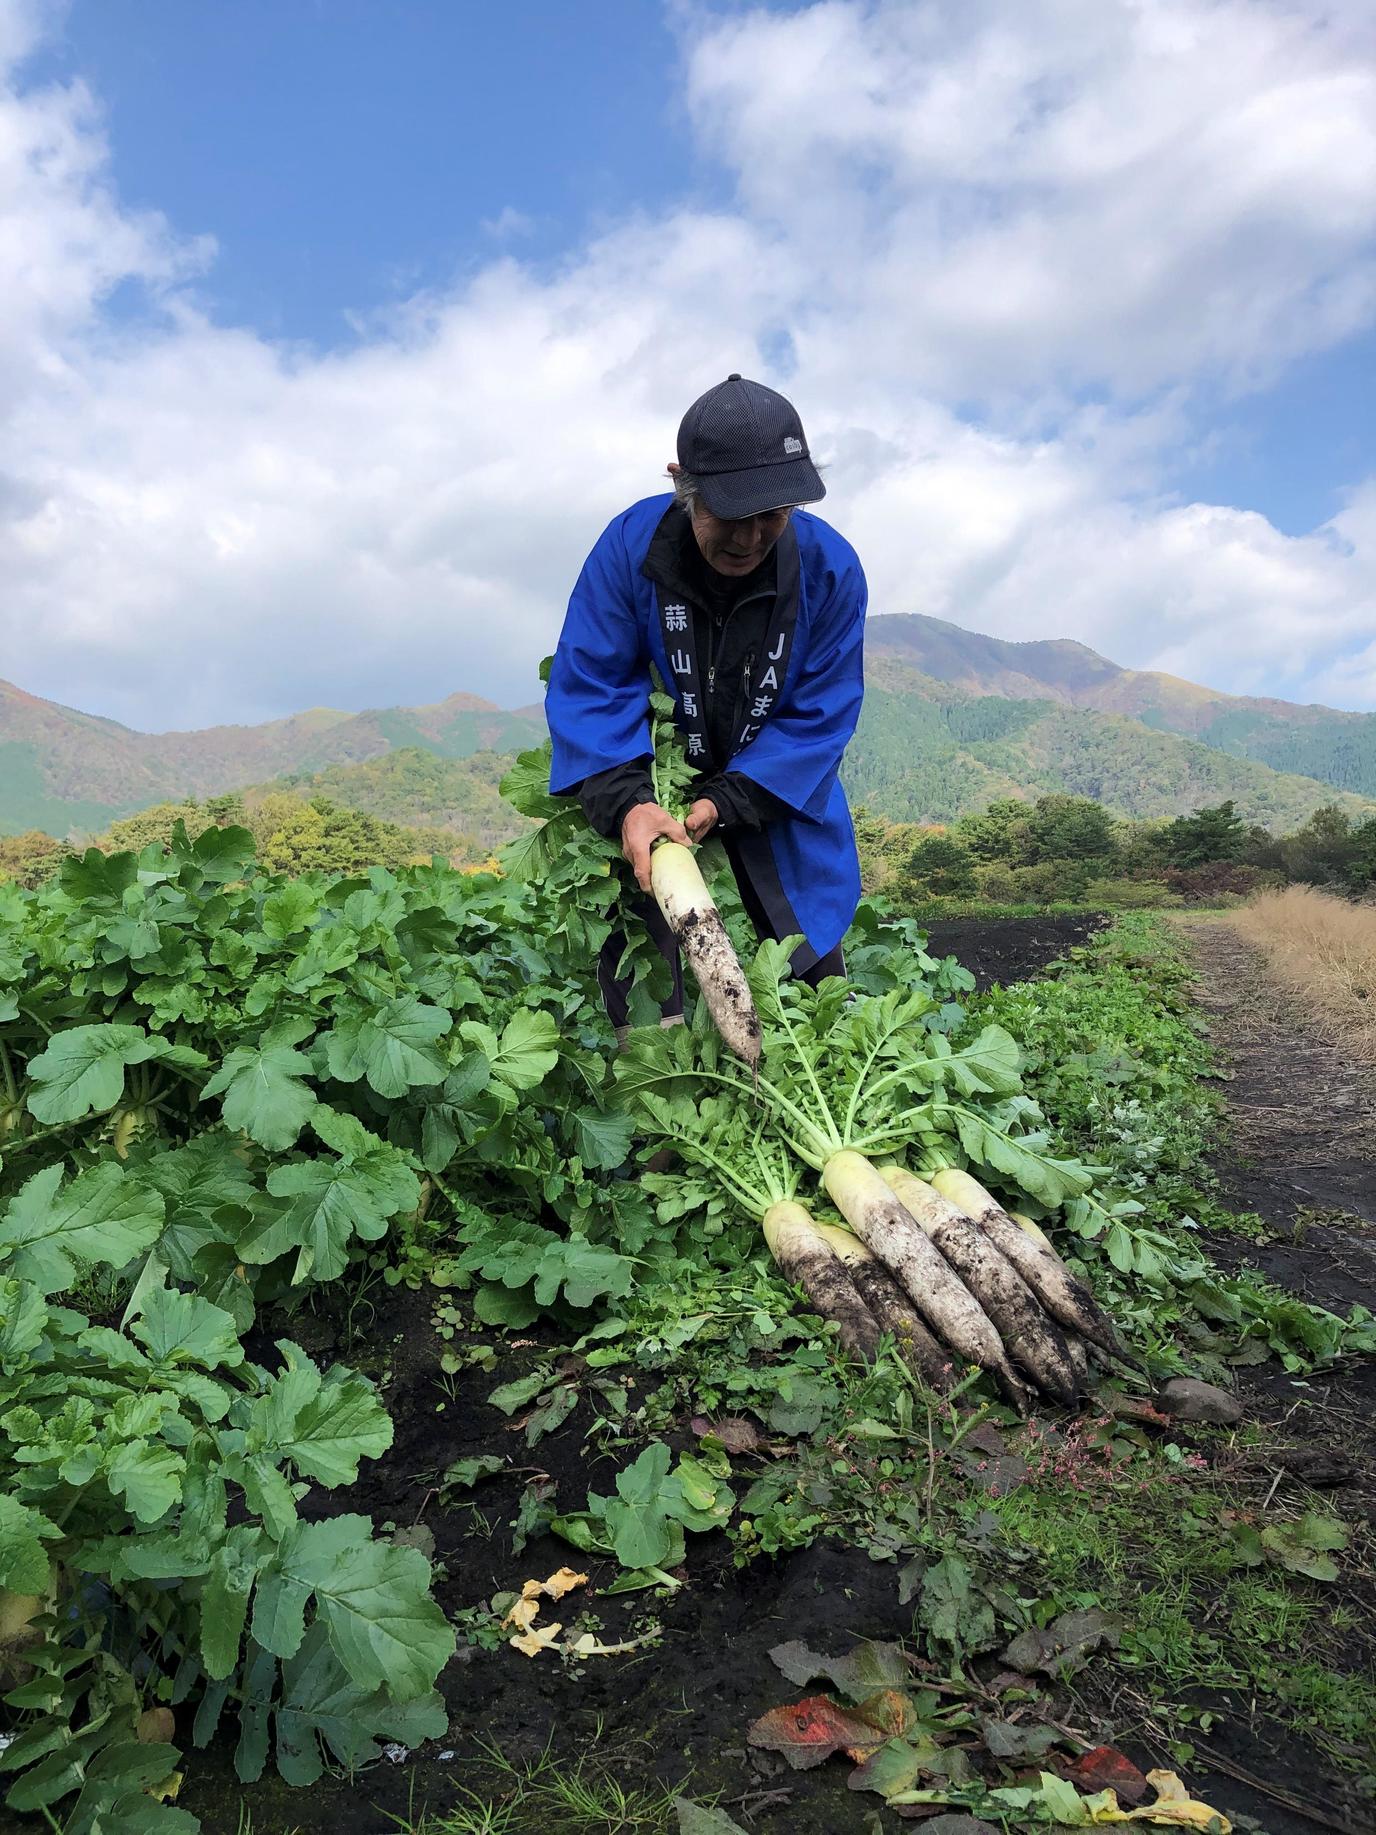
{"x":1189,"y":1400}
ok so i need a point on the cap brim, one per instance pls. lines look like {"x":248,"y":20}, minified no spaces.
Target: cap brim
{"x":733,"y":494}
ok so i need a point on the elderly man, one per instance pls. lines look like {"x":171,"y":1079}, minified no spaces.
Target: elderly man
{"x":753,"y":611}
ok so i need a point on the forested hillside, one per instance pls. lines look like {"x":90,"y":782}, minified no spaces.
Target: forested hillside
{"x":1322,"y":742}
{"x":927,"y":753}
{"x":65,"y":771}
{"x":983,"y":719}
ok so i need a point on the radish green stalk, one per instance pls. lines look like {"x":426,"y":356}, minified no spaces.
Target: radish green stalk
{"x":758,"y":1179}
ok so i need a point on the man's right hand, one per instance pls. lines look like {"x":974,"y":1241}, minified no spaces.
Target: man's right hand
{"x":645,"y":823}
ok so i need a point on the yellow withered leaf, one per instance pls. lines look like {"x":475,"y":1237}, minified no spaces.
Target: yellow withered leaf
{"x":1174,"y":1807}
{"x":533,"y":1642}
{"x":523,"y":1613}
{"x":563,"y":1582}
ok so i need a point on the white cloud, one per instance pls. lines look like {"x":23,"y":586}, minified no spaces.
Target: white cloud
{"x":936,"y":202}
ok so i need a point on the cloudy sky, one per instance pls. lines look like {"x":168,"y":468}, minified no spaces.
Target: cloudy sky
{"x":332,"y":332}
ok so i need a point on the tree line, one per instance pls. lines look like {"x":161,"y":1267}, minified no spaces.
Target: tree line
{"x":1071,"y":848}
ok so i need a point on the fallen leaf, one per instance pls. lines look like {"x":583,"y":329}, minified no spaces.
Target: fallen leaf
{"x":533,"y":1642}
{"x":986,"y":1438}
{"x":168,"y":1790}
{"x":524,"y":1613}
{"x":1065,"y":1644}
{"x":563,"y":1582}
{"x":156,"y":1727}
{"x":735,"y":1433}
{"x":696,"y":1819}
{"x":1174,"y":1806}
{"x":896,"y":1766}
{"x":859,"y":1673}
{"x":1134,"y":1408}
{"x":810,"y":1731}
{"x":1105,"y":1768}
{"x":1008,"y":1739}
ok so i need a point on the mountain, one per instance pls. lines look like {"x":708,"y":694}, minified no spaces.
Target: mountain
{"x":1308,"y":740}
{"x":419,"y":790}
{"x":952,"y":719}
{"x":928,"y":752}
{"x":68,"y":772}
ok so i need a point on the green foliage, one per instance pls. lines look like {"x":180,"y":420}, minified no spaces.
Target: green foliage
{"x":159,"y":1458}
{"x":938,"y":867}
{"x":642,"y":1524}
{"x":1218,"y":833}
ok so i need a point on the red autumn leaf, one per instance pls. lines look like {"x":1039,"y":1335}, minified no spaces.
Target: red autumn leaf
{"x":811,"y":1730}
{"x":1105,"y":1768}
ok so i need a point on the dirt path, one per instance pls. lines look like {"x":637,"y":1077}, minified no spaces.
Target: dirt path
{"x":1302,"y":1116}
{"x":1300,"y":1153}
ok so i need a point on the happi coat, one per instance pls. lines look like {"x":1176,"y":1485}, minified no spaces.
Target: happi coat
{"x":806,"y":691}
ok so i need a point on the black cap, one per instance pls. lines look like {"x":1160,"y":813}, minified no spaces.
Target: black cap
{"x":747,"y":447}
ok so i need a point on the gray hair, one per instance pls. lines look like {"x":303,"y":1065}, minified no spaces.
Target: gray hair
{"x":687,"y":489}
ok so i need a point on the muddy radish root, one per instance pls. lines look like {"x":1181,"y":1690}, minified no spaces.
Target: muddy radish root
{"x":1030,"y":1337}
{"x":809,"y":1262}
{"x":1068,"y":1300}
{"x":689,"y":910}
{"x":891,"y":1307}
{"x":890,"y":1233}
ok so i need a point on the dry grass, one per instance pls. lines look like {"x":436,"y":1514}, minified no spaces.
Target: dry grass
{"x":1323,"y":949}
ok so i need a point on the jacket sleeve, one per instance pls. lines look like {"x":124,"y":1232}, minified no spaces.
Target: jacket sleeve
{"x":597,"y":703}
{"x":741,"y":803}
{"x":797,"y":753}
{"x":609,"y":797}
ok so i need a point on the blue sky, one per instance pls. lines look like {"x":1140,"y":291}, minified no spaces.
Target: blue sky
{"x":346,"y":152}
{"x":348,"y":323}
{"x":343,"y":158}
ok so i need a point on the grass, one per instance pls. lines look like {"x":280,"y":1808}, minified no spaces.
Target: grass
{"x":1151,"y":1542}
{"x":1324,"y":950}
{"x":551,"y":1795}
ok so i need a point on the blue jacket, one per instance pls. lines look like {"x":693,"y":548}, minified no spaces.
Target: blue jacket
{"x":804,"y":864}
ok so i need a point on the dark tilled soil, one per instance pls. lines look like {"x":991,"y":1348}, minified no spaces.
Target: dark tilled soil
{"x":679,"y":1711}
{"x":1013,"y":949}
{"x":1298,"y":1152}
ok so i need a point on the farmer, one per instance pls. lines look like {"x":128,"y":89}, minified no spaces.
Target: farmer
{"x":753,"y":611}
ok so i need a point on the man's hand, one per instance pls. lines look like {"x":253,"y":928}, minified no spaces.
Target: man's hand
{"x":645,"y":823}
{"x":702,"y":818}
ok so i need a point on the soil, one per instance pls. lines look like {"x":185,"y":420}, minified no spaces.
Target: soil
{"x":678,"y":1712}
{"x":1012,"y":949}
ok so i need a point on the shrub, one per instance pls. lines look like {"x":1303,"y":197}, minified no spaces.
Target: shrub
{"x":1131,"y":895}
{"x":938,"y":867}
{"x":1202,"y":885}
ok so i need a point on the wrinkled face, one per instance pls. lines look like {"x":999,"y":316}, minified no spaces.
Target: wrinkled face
{"x":737,"y":547}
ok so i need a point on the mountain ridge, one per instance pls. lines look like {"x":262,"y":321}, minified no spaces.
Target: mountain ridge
{"x":953,"y":718}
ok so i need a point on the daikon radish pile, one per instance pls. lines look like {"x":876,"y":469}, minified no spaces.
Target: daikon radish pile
{"x":942,"y":1270}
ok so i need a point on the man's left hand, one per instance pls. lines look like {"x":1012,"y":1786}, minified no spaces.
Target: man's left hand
{"x":701,"y":818}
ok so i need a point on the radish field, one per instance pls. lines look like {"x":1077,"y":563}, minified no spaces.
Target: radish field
{"x":399,"y":1398}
